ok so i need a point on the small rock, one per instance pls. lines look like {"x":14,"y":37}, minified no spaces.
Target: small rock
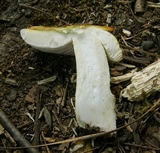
{"x":147,"y":44}
{"x":126,"y":32}
{"x":12,"y":95}
{"x":127,"y":148}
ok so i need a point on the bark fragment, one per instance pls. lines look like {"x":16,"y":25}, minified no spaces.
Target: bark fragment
{"x":143,"y":83}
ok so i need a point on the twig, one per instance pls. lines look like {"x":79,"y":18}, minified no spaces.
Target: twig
{"x":3,"y":142}
{"x":141,"y":146}
{"x":133,"y":14}
{"x":149,"y":4}
{"x":124,"y":40}
{"x":91,"y":135}
{"x":45,"y":13}
{"x":155,"y":5}
{"x":64,"y":95}
{"x":128,"y":38}
{"x":140,"y":51}
{"x":9,"y":138}
{"x":44,"y":81}
{"x":43,"y":137}
{"x":59,"y":122}
{"x":24,"y":124}
{"x":122,"y":78}
{"x":37,"y":120}
{"x":17,"y":136}
{"x":136,"y":60}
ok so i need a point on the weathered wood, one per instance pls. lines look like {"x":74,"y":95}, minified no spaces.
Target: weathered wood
{"x":143,"y":83}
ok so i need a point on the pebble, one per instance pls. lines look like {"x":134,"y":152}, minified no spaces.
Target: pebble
{"x":127,"y":148}
{"x":109,"y":18}
{"x":126,"y":32}
{"x":147,"y":45}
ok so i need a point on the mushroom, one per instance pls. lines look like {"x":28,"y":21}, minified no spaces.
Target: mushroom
{"x":95,"y":104}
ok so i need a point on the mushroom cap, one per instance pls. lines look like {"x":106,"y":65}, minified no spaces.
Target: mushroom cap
{"x":59,"y":40}
{"x":110,"y":44}
{"x":48,"y":41}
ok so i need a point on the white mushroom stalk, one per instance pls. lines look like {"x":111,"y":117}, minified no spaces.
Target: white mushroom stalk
{"x":95,"y":104}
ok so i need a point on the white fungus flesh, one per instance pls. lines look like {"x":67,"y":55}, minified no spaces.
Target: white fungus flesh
{"x":95,"y":104}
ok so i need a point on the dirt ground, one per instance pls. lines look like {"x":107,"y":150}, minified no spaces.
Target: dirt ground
{"x":45,"y":113}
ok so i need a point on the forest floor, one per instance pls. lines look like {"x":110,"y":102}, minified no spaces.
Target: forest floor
{"x":45,"y":113}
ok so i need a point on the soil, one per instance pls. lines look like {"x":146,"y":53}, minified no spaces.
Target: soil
{"x":45,"y":113}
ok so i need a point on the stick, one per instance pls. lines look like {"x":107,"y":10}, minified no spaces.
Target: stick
{"x":141,"y":146}
{"x":59,"y":122}
{"x":149,"y":4}
{"x":140,"y":51}
{"x":143,"y":61}
{"x":37,"y":121}
{"x":4,"y":144}
{"x":122,"y":78}
{"x":17,"y":136}
{"x":64,"y":95}
{"x":43,"y":137}
{"x":24,"y":124}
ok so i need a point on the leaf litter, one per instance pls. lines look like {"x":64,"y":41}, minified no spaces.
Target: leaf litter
{"x":17,"y":57}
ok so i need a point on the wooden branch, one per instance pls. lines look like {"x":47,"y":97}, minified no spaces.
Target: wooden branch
{"x":37,"y":120}
{"x":143,"y":83}
{"x":13,"y":131}
{"x":122,"y":78}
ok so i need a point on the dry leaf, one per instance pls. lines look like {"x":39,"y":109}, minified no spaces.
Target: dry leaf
{"x":47,"y":117}
{"x":59,"y":90}
{"x":31,"y":96}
